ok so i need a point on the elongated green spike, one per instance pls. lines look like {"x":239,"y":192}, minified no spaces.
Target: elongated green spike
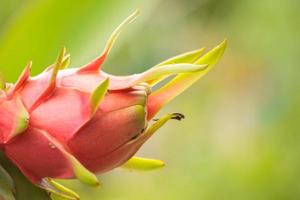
{"x":58,"y":191}
{"x":58,"y":65}
{"x":7,"y":186}
{"x":169,"y":69}
{"x":57,"y":194}
{"x":83,"y":174}
{"x":63,"y":189}
{"x":188,"y":57}
{"x":99,"y":94}
{"x":20,"y":82}
{"x":161,"y":121}
{"x":54,"y":196}
{"x":182,"y":81}
{"x":66,"y":61}
{"x":213,"y":56}
{"x":52,"y":82}
{"x":119,"y":29}
{"x":143,"y":164}
{"x":158,"y":124}
{"x":96,"y":64}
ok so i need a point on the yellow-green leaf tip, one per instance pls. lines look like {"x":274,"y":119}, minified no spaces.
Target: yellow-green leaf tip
{"x":99,"y":94}
{"x":66,"y":61}
{"x":58,"y":64}
{"x":143,"y":164}
{"x":83,"y":174}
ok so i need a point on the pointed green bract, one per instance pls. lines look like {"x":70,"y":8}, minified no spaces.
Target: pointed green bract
{"x":54,"y":196}
{"x":22,"y":121}
{"x":96,"y":64}
{"x":119,"y":29}
{"x":20,"y":82}
{"x":170,"y":69}
{"x":66,"y":61}
{"x":161,"y":121}
{"x":83,"y":174}
{"x":143,"y":164}
{"x":188,"y":57}
{"x":211,"y":58}
{"x":58,"y":64}
{"x":63,"y":189}
{"x":157,"y":125}
{"x":99,"y":94}
{"x":52,"y":82}
{"x":58,"y":191}
{"x":182,"y":81}
{"x":7,"y":187}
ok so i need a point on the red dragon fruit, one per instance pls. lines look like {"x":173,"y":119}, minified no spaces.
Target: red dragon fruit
{"x":72,"y":123}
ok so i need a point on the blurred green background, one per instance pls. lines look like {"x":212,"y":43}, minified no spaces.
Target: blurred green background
{"x":240,"y":139}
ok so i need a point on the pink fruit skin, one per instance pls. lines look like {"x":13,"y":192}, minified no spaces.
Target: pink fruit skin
{"x":63,"y":121}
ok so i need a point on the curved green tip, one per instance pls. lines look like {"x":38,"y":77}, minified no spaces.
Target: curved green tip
{"x":58,"y":64}
{"x":181,"y":82}
{"x":98,"y":94}
{"x":83,"y":174}
{"x":143,"y":164}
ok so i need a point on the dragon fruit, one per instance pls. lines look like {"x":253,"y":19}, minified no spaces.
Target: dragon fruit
{"x":75,"y":122}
